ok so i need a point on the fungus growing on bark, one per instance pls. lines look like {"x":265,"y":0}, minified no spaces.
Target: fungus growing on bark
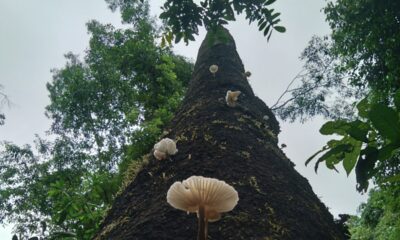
{"x":247,"y":74}
{"x":232,"y":97}
{"x":266,"y":118}
{"x":208,"y":197}
{"x":213,"y":69}
{"x":164,"y":148}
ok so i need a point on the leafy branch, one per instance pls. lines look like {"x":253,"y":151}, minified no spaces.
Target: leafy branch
{"x":366,"y":144}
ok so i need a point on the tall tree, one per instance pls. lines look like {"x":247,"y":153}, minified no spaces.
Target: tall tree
{"x":107,"y":110}
{"x":235,"y":144}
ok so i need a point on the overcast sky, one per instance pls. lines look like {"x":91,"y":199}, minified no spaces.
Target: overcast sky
{"x":35,"y":34}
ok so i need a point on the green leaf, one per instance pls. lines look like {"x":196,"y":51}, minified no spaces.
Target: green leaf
{"x":359,"y":130}
{"x":178,"y":37}
{"x":337,"y":152}
{"x":386,"y":121}
{"x":262,"y":26}
{"x":331,"y":161}
{"x":387,"y":151}
{"x":350,"y":158}
{"x":397,"y":100}
{"x":280,"y":29}
{"x":269,"y":2}
{"x":63,"y":216}
{"x":365,"y":166}
{"x":315,"y":154}
{"x":275,"y":15}
{"x":335,"y":127}
{"x":395,"y":178}
{"x":267,"y":30}
{"x":363,"y":108}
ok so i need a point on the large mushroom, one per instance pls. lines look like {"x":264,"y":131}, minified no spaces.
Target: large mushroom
{"x":208,"y":197}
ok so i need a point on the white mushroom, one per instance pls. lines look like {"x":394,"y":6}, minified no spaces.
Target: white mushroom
{"x":208,"y":197}
{"x":164,"y":148}
{"x":266,"y":118}
{"x":213,"y":69}
{"x":232,"y":97}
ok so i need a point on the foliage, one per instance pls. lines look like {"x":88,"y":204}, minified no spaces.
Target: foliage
{"x":380,"y":216}
{"x":106,"y":111}
{"x":366,"y":38}
{"x":371,"y":143}
{"x":359,"y":56}
{"x":182,"y":18}
{"x":322,"y":89}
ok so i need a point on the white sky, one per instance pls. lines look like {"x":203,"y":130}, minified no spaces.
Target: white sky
{"x":35,"y":34}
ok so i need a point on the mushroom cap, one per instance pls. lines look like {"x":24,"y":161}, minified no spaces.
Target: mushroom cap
{"x":213,"y":68}
{"x":159,"y":155}
{"x":232,"y":95}
{"x":166,"y":145}
{"x":214,"y":195}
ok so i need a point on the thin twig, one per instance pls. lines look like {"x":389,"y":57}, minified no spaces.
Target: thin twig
{"x":287,"y":89}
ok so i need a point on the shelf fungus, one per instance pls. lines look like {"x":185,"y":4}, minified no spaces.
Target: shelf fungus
{"x":213,"y":69}
{"x":247,"y":74}
{"x":164,"y":148}
{"x":232,"y":97}
{"x":208,"y":197}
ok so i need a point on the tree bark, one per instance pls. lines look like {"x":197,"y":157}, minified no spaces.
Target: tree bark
{"x":237,"y":145}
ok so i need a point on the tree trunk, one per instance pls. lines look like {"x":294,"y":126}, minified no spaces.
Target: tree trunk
{"x":234,"y":144}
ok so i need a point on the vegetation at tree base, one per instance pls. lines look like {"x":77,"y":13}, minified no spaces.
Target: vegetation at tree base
{"x":107,"y":111}
{"x":379,"y":216}
{"x":183,"y":18}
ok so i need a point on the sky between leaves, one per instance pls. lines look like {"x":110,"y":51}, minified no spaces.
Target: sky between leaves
{"x":35,"y":34}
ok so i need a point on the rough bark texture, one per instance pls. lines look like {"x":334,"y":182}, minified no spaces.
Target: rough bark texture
{"x":236,"y":145}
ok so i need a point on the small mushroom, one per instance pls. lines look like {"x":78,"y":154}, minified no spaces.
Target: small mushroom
{"x":283,"y":145}
{"x":164,"y":148}
{"x":266,"y":118}
{"x":208,"y":197}
{"x":247,"y":74}
{"x":213,"y":69}
{"x":232,"y":97}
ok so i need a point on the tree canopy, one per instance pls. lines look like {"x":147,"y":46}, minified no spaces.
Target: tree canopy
{"x":364,"y":45}
{"x":107,"y":110}
{"x":359,"y":57}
